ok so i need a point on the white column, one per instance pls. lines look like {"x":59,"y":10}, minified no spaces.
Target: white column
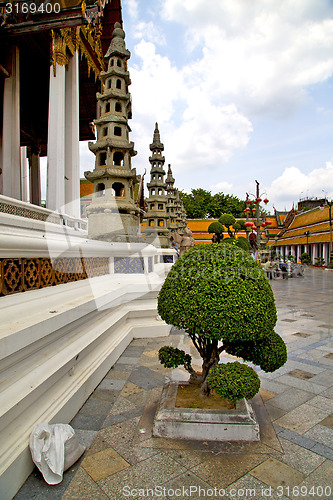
{"x":55,"y":198}
{"x":34,"y":171}
{"x":11,"y":167}
{"x":72,"y":153}
{"x":313,"y":253}
{"x":325,"y":253}
{"x":24,"y":174}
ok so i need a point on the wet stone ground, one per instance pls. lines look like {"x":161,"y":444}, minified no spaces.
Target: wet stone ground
{"x":294,"y":458}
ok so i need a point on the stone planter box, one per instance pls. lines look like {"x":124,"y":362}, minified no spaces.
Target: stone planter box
{"x":239,"y":424}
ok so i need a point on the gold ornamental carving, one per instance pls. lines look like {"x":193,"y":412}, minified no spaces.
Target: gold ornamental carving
{"x":64,"y":44}
{"x":59,"y":55}
{"x":90,"y":45}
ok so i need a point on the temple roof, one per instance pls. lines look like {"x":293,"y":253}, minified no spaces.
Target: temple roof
{"x":316,"y":221}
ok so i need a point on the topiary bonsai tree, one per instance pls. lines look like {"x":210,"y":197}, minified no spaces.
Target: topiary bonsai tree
{"x":232,"y":226}
{"x":220,"y":296}
{"x":216,"y":228}
{"x":243,"y":243}
{"x":305,"y":258}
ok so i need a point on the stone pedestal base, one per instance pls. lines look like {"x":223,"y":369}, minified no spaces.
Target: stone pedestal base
{"x":158,"y":241}
{"x":239,"y":424}
{"x":112,"y":226}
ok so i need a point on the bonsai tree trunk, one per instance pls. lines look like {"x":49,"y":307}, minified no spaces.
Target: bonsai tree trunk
{"x":210,"y":353}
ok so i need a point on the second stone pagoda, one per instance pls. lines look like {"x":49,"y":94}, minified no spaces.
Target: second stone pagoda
{"x":156,"y":231}
{"x":113,"y":214}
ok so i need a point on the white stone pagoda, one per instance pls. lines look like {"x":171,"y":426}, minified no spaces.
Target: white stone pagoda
{"x":157,"y":231}
{"x":113,"y":214}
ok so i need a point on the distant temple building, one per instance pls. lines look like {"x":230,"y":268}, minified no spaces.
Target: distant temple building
{"x":113,"y":215}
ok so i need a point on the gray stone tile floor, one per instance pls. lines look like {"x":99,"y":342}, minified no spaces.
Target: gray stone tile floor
{"x":294,"y":458}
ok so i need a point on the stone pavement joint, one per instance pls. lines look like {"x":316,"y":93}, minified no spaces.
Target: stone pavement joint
{"x":294,"y":409}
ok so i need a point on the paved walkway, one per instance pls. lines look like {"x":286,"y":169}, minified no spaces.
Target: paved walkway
{"x":294,"y":458}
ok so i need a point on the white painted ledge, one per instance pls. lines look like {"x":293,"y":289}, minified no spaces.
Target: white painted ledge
{"x":56,"y":345}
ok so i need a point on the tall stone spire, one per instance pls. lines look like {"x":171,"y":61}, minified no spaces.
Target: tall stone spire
{"x":156,"y":231}
{"x":170,"y":181}
{"x":113,"y":215}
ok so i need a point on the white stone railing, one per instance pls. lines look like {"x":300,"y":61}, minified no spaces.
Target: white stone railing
{"x":27,"y":210}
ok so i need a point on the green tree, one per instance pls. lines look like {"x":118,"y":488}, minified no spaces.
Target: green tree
{"x":197,"y":203}
{"x":220,"y":296}
{"x":216,"y":228}
{"x":200,"y":204}
{"x":229,"y":221}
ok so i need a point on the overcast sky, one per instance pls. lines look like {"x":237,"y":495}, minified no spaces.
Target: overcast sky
{"x":241,"y":90}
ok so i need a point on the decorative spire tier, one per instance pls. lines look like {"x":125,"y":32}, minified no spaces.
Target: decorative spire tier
{"x":178,"y":213}
{"x":113,"y":215}
{"x":171,"y":209}
{"x":157,"y":231}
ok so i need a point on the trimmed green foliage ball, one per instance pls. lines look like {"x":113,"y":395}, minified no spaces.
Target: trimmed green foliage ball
{"x":172,"y":357}
{"x":270,"y":353}
{"x":215,"y":227}
{"x":218,"y":292}
{"x":234,"y":381}
{"x":243,"y":243}
{"x":229,"y":241}
{"x":227,"y":220}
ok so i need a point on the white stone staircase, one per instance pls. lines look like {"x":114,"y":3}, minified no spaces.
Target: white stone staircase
{"x":56,"y":345}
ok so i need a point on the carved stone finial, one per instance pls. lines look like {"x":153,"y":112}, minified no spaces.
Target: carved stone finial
{"x":156,"y":139}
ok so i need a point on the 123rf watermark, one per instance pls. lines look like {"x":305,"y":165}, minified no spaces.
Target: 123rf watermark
{"x":324,"y":492}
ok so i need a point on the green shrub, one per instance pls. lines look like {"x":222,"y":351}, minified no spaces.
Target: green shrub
{"x":220,"y":296}
{"x":227,"y":220}
{"x":229,"y":241}
{"x":218,"y":292}
{"x":243,"y":243}
{"x":305,"y":258}
{"x":215,"y":227}
{"x":172,"y":357}
{"x":270,"y":353}
{"x":234,"y":381}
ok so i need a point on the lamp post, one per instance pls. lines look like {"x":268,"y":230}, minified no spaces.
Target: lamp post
{"x":257,"y":213}
{"x":307,"y":234}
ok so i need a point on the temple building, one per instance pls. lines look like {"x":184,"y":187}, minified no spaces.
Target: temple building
{"x":69,"y":303}
{"x":308,"y":231}
{"x":157,"y":231}
{"x":49,"y":114}
{"x":113,"y":215}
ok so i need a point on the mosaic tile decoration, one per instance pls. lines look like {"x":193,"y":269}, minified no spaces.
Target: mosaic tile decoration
{"x":167,"y":259}
{"x":129,"y":265}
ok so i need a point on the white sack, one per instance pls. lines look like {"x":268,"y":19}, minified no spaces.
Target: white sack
{"x":54,"y":448}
